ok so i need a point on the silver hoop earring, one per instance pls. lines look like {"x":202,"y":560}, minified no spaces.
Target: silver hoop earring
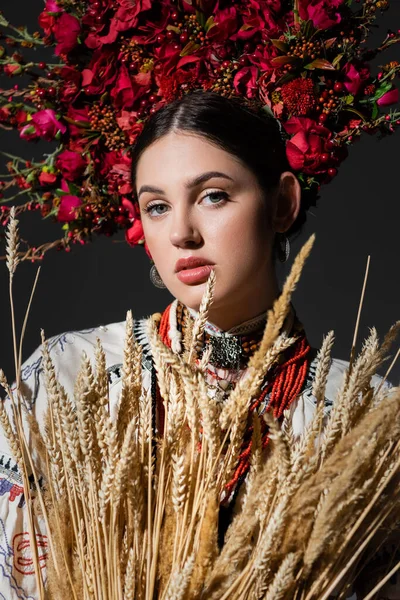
{"x":155,"y":278}
{"x":283,"y":247}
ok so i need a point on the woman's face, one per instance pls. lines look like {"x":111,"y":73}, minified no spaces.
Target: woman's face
{"x":199,"y":202}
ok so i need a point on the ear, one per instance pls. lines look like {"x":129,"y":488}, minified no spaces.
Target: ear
{"x":287,"y":204}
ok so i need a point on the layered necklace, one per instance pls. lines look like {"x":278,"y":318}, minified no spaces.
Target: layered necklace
{"x":230,"y":353}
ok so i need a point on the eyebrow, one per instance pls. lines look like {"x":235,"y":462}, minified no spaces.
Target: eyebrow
{"x":191,"y":183}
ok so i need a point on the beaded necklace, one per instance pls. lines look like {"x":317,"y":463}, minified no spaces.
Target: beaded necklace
{"x":281,"y":386}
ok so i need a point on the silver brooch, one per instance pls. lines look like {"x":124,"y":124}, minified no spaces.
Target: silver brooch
{"x":226,"y":351}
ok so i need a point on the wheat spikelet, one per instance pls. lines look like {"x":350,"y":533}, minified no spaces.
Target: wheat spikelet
{"x":202,"y":315}
{"x":180,"y":581}
{"x":283,"y":581}
{"x":12,"y":243}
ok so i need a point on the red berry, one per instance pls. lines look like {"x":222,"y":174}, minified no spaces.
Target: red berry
{"x":174,"y":15}
{"x":324,"y":157}
{"x":51,"y":91}
{"x":332,"y":172}
{"x":42,"y":65}
{"x":176,"y":47}
{"x":387,"y":118}
{"x":170,"y":34}
{"x":183,"y":37}
{"x":41,"y":92}
{"x":243,"y":61}
{"x":160,"y":38}
{"x":322,"y":117}
{"x":226,"y":64}
{"x":338,"y":86}
{"x":152,"y":98}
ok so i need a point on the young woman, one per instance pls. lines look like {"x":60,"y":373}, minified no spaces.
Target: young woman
{"x":215,"y":192}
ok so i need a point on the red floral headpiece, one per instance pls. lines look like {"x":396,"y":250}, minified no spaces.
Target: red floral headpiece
{"x":119,"y":61}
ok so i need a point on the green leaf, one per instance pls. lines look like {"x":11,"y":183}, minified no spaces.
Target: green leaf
{"x":337,"y":60}
{"x":330,"y":42}
{"x":173,"y":28}
{"x":381,"y":91}
{"x":281,"y":45}
{"x":3,"y":21}
{"x":278,"y":61}
{"x":209,"y":23}
{"x":201,"y":18}
{"x":349,"y":99}
{"x":320,"y":63}
{"x":189,"y":48}
{"x":375,"y":111}
{"x":61,"y":192}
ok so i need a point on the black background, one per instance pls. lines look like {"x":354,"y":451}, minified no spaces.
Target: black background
{"x":358,"y":215}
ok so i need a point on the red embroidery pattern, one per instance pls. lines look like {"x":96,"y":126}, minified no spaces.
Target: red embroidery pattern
{"x":23,"y":561}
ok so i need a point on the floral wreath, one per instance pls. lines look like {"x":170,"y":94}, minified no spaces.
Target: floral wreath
{"x":118,"y":62}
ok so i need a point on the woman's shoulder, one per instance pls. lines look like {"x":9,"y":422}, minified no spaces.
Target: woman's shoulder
{"x":66,"y":350}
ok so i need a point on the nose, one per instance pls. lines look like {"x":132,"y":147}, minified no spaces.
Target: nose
{"x":184,"y":232}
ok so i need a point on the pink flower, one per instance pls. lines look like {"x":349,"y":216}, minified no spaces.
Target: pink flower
{"x":305,"y":148}
{"x":134,"y":235}
{"x":391,"y":97}
{"x":354,"y":77}
{"x":66,"y":32}
{"x":245,"y":81}
{"x":71,"y":165}
{"x":225,"y":25}
{"x":122,"y":92}
{"x":322,"y":13}
{"x":46,"y":124}
{"x":68,"y":205}
{"x":52,"y":6}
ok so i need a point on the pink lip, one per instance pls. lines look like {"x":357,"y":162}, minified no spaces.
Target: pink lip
{"x":191,"y":262}
{"x":196,"y":275}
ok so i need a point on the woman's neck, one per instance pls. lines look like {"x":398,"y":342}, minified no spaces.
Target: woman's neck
{"x":245,"y":306}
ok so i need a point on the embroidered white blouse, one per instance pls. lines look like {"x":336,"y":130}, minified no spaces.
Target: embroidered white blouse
{"x":17,"y":579}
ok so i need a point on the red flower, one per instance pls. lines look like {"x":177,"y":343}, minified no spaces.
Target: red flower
{"x":71,"y":86}
{"x":79,"y":116}
{"x":46,"y":124}
{"x":71,"y":165}
{"x":47,"y":178}
{"x":101,"y":72}
{"x":127,"y":121}
{"x":68,"y":205}
{"x":322,"y":13}
{"x":47,"y":22}
{"x":391,"y":97}
{"x":52,"y":6}
{"x":125,"y":18}
{"x":134,"y":235}
{"x":245,"y":81}
{"x":66,"y":31}
{"x":354,"y":77}
{"x":225,"y":25}
{"x":305,"y":148}
{"x":258,"y":16}
{"x":12,"y":69}
{"x":298,"y":96}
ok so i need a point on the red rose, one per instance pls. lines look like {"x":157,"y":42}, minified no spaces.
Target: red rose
{"x":68,"y":205}
{"x":245,"y":81}
{"x":46,"y":124}
{"x":391,"y":97}
{"x":47,"y":178}
{"x":125,"y":18}
{"x":134,"y":235}
{"x":322,"y":13}
{"x":80,"y":118}
{"x":4,"y":114}
{"x":71,"y":86}
{"x":258,"y":16}
{"x":225,"y":25}
{"x":354,"y":77}
{"x":47,"y":22}
{"x":101,"y":72}
{"x":12,"y":69}
{"x":71,"y":165}
{"x":122,"y":92}
{"x":305,"y":148}
{"x":66,"y":32}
